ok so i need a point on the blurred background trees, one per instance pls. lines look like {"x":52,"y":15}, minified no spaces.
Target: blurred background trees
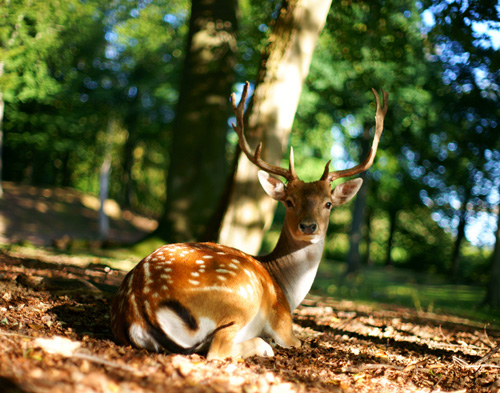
{"x":430,"y":203}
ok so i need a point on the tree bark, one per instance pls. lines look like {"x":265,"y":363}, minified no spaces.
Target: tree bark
{"x":270,"y":117}
{"x":197,"y":169}
{"x":493,"y":290}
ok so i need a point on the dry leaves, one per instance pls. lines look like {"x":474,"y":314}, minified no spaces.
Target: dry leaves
{"x":57,"y":340}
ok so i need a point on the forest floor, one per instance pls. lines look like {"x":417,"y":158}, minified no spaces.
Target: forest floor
{"x":55,"y":337}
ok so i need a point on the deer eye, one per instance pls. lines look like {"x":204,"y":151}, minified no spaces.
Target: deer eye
{"x":328,"y":205}
{"x":288,"y":203}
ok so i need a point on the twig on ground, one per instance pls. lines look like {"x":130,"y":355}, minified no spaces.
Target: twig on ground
{"x":488,"y":355}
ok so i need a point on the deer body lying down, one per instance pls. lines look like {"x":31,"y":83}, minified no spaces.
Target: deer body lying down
{"x":195,"y":297}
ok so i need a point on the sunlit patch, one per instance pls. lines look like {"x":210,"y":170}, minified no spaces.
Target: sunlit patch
{"x":243,"y":292}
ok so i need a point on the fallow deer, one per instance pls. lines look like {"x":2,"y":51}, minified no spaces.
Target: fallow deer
{"x":196,"y":297}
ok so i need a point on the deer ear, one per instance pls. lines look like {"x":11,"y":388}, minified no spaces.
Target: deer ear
{"x":272,"y":186}
{"x":344,"y":192}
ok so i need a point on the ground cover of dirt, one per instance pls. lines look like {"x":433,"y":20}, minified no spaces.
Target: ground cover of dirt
{"x":54,"y":337}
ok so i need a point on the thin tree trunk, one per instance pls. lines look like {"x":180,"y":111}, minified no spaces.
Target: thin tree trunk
{"x":2,"y":107}
{"x":368,"y":236}
{"x":270,"y":117}
{"x":358,"y":215}
{"x":493,"y":289}
{"x":197,"y":170}
{"x":128,"y":161}
{"x":393,"y":216}
{"x":104,"y":177}
{"x":455,"y":260}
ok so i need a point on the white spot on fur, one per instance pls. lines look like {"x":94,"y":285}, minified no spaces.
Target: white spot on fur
{"x":222,"y":271}
{"x":200,"y":262}
{"x":232,"y":265}
{"x":243,"y":292}
{"x":141,"y":338}
{"x":147,"y":306}
{"x":195,"y":274}
{"x":222,"y":278}
{"x":194,"y":282}
{"x":235,"y":261}
{"x":208,"y":257}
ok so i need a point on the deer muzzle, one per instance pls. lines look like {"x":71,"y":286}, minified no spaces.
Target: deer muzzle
{"x":308,"y":228}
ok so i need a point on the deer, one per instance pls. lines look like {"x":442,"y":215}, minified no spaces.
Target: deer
{"x":212,"y":299}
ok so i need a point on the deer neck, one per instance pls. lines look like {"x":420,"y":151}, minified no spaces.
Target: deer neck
{"x":293,"y":265}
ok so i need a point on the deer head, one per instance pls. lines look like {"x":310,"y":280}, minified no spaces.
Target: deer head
{"x":308,"y":204}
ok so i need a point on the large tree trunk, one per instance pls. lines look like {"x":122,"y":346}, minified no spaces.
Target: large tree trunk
{"x":493,"y":290}
{"x":197,"y":170}
{"x":271,"y":113}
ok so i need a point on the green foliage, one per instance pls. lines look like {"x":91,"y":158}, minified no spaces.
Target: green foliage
{"x":70,"y":65}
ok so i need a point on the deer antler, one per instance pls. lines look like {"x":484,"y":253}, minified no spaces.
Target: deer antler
{"x":367,"y":163}
{"x":288,"y":174}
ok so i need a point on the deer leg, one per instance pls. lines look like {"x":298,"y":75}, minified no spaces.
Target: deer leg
{"x":254,"y":347}
{"x":280,"y":329}
{"x":222,"y":343}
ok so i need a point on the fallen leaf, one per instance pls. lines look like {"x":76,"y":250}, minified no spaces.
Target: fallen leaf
{"x":58,"y":345}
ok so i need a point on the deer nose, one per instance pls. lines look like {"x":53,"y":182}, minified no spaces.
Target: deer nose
{"x":307,"y":228}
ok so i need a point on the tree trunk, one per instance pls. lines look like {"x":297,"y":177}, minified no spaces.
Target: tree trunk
{"x":368,"y":236}
{"x":393,"y":215}
{"x":197,"y":170}
{"x":493,"y":290}
{"x":128,"y":162}
{"x":104,"y":177}
{"x":455,"y":260}
{"x":358,"y":215}
{"x":2,"y":107}
{"x":270,"y":117}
